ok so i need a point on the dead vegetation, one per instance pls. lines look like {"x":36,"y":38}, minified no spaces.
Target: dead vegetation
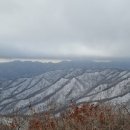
{"x":82,"y":117}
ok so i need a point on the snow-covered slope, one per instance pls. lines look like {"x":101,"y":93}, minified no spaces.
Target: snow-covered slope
{"x":61,"y":86}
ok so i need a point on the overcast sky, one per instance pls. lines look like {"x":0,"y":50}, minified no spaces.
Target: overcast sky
{"x":64,"y":28}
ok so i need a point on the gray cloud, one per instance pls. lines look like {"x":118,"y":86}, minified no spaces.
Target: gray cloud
{"x":64,"y":28}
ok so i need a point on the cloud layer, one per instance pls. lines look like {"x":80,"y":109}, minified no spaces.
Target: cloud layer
{"x":64,"y":28}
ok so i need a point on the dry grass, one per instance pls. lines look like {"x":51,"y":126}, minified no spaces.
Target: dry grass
{"x":82,"y":117}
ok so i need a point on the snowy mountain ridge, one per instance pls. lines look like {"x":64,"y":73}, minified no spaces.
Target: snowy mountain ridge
{"x":62,"y":86}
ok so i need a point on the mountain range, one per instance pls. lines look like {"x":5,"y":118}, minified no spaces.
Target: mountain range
{"x":57,"y":84}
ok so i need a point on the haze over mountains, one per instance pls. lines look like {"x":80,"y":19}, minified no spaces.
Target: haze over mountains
{"x":19,"y":69}
{"x":47,"y":83}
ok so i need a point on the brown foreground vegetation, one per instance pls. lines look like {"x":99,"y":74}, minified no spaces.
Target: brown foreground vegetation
{"x":82,"y":117}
